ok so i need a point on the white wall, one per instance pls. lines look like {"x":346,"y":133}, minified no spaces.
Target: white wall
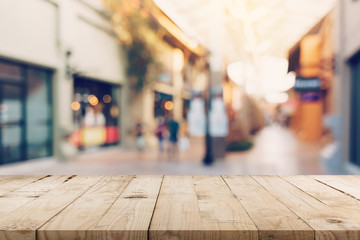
{"x":40,"y":31}
{"x":28,"y":31}
{"x":351,"y":16}
{"x":96,"y":52}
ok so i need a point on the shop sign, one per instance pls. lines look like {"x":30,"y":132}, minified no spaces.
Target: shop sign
{"x":310,"y":96}
{"x":304,"y":84}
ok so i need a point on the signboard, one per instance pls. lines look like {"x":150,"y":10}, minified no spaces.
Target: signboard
{"x":311,"y":96}
{"x":306,"y":84}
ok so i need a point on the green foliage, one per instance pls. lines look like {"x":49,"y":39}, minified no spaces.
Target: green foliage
{"x":239,"y":146}
{"x":139,"y":32}
{"x":139,"y":58}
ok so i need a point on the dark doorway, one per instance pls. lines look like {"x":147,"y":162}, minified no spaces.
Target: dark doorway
{"x":355,"y":110}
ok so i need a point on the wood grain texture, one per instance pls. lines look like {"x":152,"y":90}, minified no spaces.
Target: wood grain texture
{"x":177,"y":213}
{"x":222,"y":215}
{"x":11,"y":183}
{"x":347,"y":205}
{"x":208,"y":211}
{"x":179,"y":207}
{"x":129,"y":217}
{"x":347,"y":184}
{"x":274,"y":219}
{"x":24,"y":221}
{"x":328,"y":223}
{"x":84,"y":213}
{"x":29,"y":192}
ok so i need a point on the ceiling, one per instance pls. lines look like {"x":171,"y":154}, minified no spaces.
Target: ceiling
{"x":247,"y":28}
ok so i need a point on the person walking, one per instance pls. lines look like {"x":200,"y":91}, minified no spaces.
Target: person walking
{"x":160,"y":133}
{"x":139,"y":137}
{"x":173,"y":136}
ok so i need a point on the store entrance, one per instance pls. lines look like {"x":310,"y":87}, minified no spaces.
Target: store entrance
{"x":96,"y":113}
{"x":25,"y":112}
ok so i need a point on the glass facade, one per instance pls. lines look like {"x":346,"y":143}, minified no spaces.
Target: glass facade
{"x":25,"y":112}
{"x":355,"y":110}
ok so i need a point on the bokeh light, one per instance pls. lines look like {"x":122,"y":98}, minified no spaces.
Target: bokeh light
{"x":75,"y":106}
{"x":93,"y":100}
{"x":107,"y":98}
{"x":169,"y":105}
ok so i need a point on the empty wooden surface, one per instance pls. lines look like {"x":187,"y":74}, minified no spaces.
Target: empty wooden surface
{"x":180,"y":207}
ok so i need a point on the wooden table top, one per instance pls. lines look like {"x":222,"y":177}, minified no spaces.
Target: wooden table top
{"x":180,"y":207}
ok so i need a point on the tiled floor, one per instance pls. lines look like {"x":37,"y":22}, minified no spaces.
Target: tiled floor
{"x":276,"y":151}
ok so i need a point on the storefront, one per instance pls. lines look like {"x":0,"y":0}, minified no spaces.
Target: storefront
{"x":96,"y":112}
{"x":25,"y":112}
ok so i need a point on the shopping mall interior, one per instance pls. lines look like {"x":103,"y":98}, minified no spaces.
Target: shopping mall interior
{"x":179,"y":87}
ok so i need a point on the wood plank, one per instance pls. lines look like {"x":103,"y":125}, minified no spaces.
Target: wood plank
{"x":327,"y":222}
{"x":24,"y":221}
{"x":130,"y":215}
{"x":347,"y":184}
{"x":84,"y":213}
{"x":329,"y":196}
{"x":10,"y":201}
{"x":177,"y":213}
{"x":273,"y":219}
{"x":8,"y":184}
{"x":222,"y":216}
{"x":39,"y":187}
{"x":324,"y":193}
{"x":199,"y":207}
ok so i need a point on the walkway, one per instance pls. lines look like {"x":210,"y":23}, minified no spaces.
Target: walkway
{"x":276,"y":151}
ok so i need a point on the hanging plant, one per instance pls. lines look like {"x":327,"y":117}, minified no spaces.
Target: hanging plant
{"x":139,"y":59}
{"x":139,"y":32}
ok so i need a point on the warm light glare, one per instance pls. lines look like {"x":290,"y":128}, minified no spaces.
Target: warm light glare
{"x":93,"y":100}
{"x":75,"y":106}
{"x":241,"y":72}
{"x":169,"y":105}
{"x":280,"y":97}
{"x":289,"y":81}
{"x":107,"y":98}
{"x":178,"y":60}
{"x":236,"y":72}
{"x":272,"y":74}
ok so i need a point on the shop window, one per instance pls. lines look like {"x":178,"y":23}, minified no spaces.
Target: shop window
{"x":163,"y":105}
{"x":39,"y":112}
{"x":96,"y":113}
{"x":25,"y":112}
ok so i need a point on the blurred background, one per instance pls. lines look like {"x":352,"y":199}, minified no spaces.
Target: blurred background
{"x":179,"y":87}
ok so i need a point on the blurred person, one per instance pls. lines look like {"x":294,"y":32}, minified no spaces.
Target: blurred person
{"x":184,"y":143}
{"x":89,"y":118}
{"x":173,"y":135}
{"x":94,"y":117}
{"x":160,"y":133}
{"x":139,"y":137}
